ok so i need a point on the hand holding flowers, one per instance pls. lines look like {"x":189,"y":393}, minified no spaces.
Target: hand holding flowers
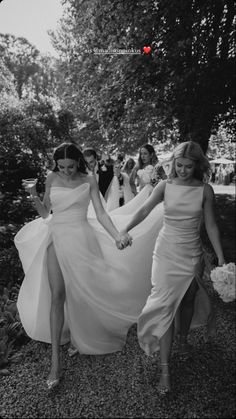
{"x":223,"y":279}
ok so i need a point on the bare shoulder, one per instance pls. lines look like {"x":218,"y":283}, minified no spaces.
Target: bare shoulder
{"x":208,"y":190}
{"x":208,"y":194}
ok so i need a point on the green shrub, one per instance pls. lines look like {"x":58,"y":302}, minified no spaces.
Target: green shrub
{"x":11,"y":272}
{"x":11,"y":331}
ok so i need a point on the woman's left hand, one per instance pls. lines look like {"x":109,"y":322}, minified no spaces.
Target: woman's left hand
{"x":221,"y":261}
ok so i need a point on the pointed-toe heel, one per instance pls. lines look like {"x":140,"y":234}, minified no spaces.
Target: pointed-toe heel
{"x":52,"y":383}
{"x":163,"y":389}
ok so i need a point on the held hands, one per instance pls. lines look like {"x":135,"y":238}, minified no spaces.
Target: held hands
{"x":123,"y":240}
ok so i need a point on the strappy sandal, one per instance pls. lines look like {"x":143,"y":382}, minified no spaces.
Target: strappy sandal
{"x":184,"y":348}
{"x":72,"y":351}
{"x":164,"y":389}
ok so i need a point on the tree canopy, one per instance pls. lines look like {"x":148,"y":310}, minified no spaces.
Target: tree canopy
{"x":126,"y":99}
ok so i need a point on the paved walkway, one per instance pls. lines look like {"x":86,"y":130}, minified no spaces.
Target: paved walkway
{"x":224,"y":189}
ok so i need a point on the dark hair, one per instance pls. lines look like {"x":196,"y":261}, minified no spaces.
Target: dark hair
{"x":120,"y":157}
{"x":152,"y":153}
{"x":193,"y":151}
{"x":69,"y":151}
{"x":89,"y":151}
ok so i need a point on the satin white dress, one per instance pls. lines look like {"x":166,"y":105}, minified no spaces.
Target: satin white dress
{"x":106,"y":288}
{"x":177,"y":260}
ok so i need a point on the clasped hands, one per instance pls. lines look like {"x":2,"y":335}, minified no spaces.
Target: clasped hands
{"x":123,"y":240}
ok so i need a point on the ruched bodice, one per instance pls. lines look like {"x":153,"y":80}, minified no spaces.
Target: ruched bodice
{"x":74,"y":206}
{"x":105,"y":288}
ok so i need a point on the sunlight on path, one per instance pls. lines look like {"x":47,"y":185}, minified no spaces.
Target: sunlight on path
{"x":224,"y":189}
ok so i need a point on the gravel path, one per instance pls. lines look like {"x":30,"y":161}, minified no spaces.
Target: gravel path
{"x":124,"y":384}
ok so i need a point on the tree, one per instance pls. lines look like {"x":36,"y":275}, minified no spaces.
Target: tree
{"x":135,"y":97}
{"x":33,"y":74}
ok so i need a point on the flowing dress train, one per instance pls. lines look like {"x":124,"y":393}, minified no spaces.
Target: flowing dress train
{"x":105,"y":288}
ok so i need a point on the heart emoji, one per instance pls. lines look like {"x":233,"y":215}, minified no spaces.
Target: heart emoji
{"x":146,"y":50}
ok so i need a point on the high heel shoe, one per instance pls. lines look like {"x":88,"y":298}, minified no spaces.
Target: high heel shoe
{"x":52,"y":383}
{"x":184,"y":348}
{"x":164,"y":389}
{"x":72,"y":351}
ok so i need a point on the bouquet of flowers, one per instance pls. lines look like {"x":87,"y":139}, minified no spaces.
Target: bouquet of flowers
{"x":146,"y":173}
{"x":223,"y":279}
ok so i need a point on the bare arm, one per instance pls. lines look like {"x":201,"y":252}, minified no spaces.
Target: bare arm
{"x":43,"y":207}
{"x":104,"y":218}
{"x":132,"y":180}
{"x":155,"y":198}
{"x":210,"y":223}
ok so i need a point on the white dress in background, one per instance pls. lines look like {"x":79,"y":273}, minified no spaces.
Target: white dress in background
{"x":106,"y":288}
{"x":113,"y":193}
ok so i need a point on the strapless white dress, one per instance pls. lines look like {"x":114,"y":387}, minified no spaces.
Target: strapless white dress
{"x":105,"y":288}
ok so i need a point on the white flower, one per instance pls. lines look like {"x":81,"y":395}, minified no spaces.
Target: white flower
{"x":223,"y":279}
{"x":146,"y":173}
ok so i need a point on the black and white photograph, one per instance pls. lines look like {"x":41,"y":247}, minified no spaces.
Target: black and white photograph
{"x":117,"y":209}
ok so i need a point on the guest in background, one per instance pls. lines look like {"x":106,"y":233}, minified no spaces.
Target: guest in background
{"x":143,"y":171}
{"x":128,"y":166}
{"x":119,"y":191}
{"x":158,"y":174}
{"x":102,"y":171}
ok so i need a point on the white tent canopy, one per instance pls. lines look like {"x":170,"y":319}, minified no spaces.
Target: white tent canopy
{"x":222,"y":160}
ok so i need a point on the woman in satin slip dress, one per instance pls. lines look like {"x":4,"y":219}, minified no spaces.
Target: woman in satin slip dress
{"x":178,"y":300}
{"x":65,"y":185}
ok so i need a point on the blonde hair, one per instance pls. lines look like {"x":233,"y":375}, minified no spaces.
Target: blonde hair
{"x":193,"y":151}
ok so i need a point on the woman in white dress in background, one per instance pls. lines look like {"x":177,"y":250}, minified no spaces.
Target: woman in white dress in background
{"x":143,"y":171}
{"x":78,"y":286}
{"x":178,"y":296}
{"x":119,"y":191}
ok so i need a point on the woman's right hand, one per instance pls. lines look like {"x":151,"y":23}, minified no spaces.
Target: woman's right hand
{"x":221,"y":261}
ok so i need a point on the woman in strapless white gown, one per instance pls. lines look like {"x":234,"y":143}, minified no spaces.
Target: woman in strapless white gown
{"x":178,"y":296}
{"x":78,"y":286}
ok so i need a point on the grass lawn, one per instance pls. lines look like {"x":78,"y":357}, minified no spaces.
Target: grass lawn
{"x":124,"y":384}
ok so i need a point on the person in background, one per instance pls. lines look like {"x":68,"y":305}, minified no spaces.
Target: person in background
{"x":178,"y":300}
{"x":102,"y":171}
{"x":119,"y":192}
{"x":128,"y":166}
{"x":120,"y":159}
{"x":142,"y":172}
{"x":158,"y":174}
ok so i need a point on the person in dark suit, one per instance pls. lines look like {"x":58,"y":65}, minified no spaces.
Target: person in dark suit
{"x":103,"y":172}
